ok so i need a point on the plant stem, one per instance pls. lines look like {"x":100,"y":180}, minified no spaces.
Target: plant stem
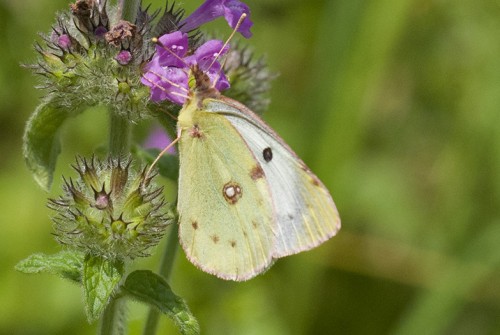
{"x":119,"y":135}
{"x":165,"y":270}
{"x":128,"y":9}
{"x":112,"y":321}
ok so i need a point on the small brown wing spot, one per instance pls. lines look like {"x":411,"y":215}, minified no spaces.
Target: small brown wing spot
{"x":215,"y":238}
{"x":256,"y":172}
{"x":315,"y":181}
{"x":196,"y":132}
{"x":245,"y":233}
{"x":232,"y":192}
{"x":233,"y":243}
{"x":254,"y":225}
{"x":194,"y":224}
{"x":267,"y":153}
{"x":290,"y":216}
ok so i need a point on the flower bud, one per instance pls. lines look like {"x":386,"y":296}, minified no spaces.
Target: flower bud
{"x":110,"y":210}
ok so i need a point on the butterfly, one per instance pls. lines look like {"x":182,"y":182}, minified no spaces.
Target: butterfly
{"x":245,"y":199}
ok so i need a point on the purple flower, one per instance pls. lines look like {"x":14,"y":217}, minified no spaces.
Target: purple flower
{"x":166,"y":82}
{"x":167,"y":74}
{"x":213,"y":9}
{"x":205,"y":56}
{"x":158,"y":139}
{"x":100,"y":32}
{"x":64,"y":41}
{"x":171,"y":48}
{"x":124,"y":57}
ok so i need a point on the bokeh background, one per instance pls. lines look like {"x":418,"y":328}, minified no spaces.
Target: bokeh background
{"x":395,"y":104}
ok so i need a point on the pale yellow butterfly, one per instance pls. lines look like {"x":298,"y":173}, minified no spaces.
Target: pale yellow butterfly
{"x":245,"y":198}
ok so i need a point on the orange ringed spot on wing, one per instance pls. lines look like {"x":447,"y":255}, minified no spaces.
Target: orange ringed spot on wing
{"x":256,"y":172}
{"x":232,"y":192}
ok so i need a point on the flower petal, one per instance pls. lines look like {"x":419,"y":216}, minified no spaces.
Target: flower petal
{"x":166,"y":82}
{"x":220,"y":80}
{"x":171,"y":48}
{"x":212,"y":9}
{"x":205,"y":55}
{"x":232,"y":13}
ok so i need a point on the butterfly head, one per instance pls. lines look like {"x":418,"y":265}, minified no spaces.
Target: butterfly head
{"x":202,"y":87}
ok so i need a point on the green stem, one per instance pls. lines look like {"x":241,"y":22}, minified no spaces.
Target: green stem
{"x":165,"y":270}
{"x":112,"y":321}
{"x":119,"y":135}
{"x":128,"y":9}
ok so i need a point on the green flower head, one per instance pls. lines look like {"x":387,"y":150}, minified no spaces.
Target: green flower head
{"x":110,"y":210}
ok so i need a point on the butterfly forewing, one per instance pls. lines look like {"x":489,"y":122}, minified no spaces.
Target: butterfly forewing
{"x":304,"y":210}
{"x":226,"y":218}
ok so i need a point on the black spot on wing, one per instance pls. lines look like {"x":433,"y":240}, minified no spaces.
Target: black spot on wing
{"x":267,"y":153}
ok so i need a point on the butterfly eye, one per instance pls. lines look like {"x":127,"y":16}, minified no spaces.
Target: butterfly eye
{"x":267,"y":154}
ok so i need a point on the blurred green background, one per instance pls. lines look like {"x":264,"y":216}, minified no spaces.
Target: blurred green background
{"x":395,"y":104}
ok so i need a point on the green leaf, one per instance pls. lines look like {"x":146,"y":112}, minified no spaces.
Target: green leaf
{"x":41,"y":144}
{"x":168,"y":165}
{"x":100,"y":277}
{"x":152,"y":289}
{"x":66,"y":264}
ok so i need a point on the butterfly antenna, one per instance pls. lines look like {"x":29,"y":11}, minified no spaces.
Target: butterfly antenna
{"x":240,"y":21}
{"x":157,"y":41}
{"x":219,"y":73}
{"x":161,"y":154}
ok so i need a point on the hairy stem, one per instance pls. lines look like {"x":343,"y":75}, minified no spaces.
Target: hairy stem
{"x":128,"y":9}
{"x":112,"y":321}
{"x":165,"y":270}
{"x":119,"y":135}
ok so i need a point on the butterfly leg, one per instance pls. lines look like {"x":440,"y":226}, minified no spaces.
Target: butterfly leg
{"x":179,"y":132}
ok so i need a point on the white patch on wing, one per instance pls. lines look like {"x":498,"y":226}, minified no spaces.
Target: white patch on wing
{"x":305,"y":213}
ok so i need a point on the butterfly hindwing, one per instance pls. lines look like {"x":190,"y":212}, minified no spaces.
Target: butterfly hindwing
{"x":226,"y":218}
{"x":304,"y":210}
